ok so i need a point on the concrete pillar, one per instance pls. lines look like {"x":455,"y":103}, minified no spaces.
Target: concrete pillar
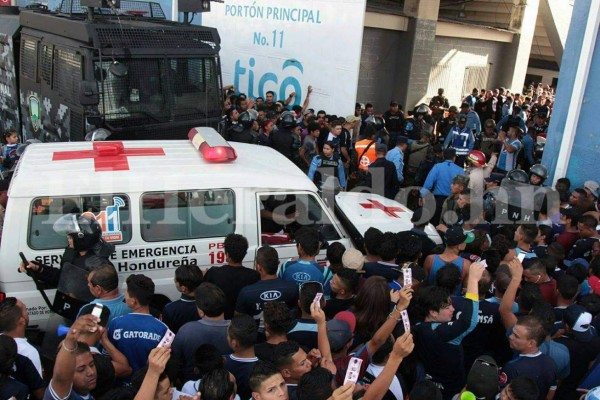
{"x":412,"y":82}
{"x":523,"y":18}
{"x":556,"y":16}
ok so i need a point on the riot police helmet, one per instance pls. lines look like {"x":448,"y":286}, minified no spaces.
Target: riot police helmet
{"x":540,"y":171}
{"x":518,"y":175}
{"x":377,"y":122}
{"x":287,"y":120}
{"x":422,"y":109}
{"x":246,"y":119}
{"x":84,"y":230}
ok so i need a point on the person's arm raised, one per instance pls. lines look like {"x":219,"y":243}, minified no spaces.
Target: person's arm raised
{"x":516,"y":271}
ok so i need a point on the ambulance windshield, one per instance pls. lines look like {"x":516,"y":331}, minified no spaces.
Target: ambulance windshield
{"x":147,"y":91}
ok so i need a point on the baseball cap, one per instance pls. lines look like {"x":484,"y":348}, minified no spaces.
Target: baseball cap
{"x":393,"y":103}
{"x":348,"y":317}
{"x":88,"y":308}
{"x":456,"y":236}
{"x":350,"y":119}
{"x":353,"y":259}
{"x":490,"y":123}
{"x":465,"y":105}
{"x":497,"y":178}
{"x":483,"y":380}
{"x":592,"y":186}
{"x":381,"y":148}
{"x":339,"y":333}
{"x":581,"y":261}
{"x":579,"y":320}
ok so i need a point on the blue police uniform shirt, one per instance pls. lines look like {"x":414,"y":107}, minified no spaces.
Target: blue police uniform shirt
{"x":460,"y":140}
{"x":440,"y":178}
{"x":397,"y":157}
{"x":135,"y":335}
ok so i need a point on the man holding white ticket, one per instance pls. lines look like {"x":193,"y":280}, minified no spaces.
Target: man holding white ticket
{"x":438,"y":338}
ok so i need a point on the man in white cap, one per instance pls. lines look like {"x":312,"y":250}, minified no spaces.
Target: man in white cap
{"x":591,"y":189}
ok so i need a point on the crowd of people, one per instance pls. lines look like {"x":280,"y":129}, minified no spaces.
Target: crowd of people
{"x":505,"y":308}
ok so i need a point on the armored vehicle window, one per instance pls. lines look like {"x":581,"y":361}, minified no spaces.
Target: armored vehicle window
{"x":29,"y":58}
{"x":111,"y":211}
{"x":187,"y":214}
{"x":67,"y":72}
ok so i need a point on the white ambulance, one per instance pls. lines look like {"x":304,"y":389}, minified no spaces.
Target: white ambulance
{"x":164,"y":204}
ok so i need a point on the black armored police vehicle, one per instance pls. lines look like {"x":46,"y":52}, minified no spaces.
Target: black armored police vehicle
{"x":116,"y":65}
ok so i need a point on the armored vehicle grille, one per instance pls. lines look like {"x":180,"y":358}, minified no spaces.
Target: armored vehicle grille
{"x":118,"y":37}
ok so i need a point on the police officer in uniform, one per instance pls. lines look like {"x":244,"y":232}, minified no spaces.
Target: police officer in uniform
{"x":242,"y":132}
{"x":85,"y":250}
{"x":460,"y":139}
{"x":538,"y":173}
{"x":283,"y":139}
{"x":420,"y":123}
{"x":328,"y":162}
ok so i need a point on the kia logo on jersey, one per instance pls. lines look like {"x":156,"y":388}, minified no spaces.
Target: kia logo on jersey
{"x":301,"y":277}
{"x":270,"y":295}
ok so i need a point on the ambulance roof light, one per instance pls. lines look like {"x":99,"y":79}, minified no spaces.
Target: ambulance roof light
{"x":212,"y":146}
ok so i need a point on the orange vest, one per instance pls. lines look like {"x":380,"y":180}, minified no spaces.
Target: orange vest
{"x":368,"y":157}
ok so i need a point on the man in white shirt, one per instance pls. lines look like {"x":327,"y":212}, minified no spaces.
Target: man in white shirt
{"x":14,"y":318}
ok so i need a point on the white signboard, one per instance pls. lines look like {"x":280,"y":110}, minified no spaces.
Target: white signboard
{"x":285,"y":46}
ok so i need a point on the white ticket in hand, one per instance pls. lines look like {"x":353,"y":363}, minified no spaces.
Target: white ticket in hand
{"x":407,"y":274}
{"x":167,"y":339}
{"x":317,"y":299}
{"x":353,"y":371}
{"x":405,"y":320}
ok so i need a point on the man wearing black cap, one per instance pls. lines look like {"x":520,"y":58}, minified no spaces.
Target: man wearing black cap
{"x":384,"y":178}
{"x":584,"y":345}
{"x":513,"y":119}
{"x":439,"y":181}
{"x":394,"y":121}
{"x":473,"y":121}
{"x":460,"y":139}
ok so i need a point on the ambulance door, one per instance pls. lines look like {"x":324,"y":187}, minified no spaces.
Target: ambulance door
{"x":283,"y":213}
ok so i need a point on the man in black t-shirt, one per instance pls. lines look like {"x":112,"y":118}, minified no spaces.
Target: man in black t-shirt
{"x":583,"y":344}
{"x":270,"y":288}
{"x":528,"y":334}
{"x":343,"y":288}
{"x":231,"y":278}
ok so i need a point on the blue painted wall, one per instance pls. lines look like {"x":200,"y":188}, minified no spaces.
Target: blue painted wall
{"x":584,"y":163}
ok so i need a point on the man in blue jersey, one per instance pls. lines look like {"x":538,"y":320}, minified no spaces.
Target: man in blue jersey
{"x":137,"y":333}
{"x":511,"y":145}
{"x":306,"y":268}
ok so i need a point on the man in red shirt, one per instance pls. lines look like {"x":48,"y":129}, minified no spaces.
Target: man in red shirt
{"x":569,"y":217}
{"x":535,"y":272}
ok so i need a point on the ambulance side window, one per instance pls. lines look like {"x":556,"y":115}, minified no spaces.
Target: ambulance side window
{"x":189,"y":214}
{"x":110,"y":210}
{"x":283,"y":214}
